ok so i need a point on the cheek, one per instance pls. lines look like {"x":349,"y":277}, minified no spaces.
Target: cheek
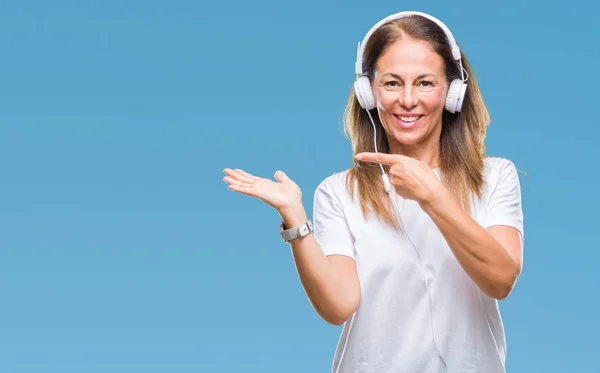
{"x":434,"y":101}
{"x":386,"y":100}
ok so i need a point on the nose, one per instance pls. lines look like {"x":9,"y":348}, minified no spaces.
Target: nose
{"x":408,"y":98}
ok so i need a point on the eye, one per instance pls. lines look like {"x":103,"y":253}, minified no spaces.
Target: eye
{"x":391,"y":84}
{"x":426,"y":83}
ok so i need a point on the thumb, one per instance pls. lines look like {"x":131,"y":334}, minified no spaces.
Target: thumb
{"x":281,"y":176}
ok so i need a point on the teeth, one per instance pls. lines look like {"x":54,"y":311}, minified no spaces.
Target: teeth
{"x":408,"y":119}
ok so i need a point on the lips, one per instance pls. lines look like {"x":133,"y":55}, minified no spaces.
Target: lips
{"x":408,"y":120}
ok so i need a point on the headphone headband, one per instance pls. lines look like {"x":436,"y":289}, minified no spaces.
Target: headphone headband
{"x":362,"y":86}
{"x":361,"y":45}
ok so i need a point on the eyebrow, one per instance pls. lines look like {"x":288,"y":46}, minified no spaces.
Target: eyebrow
{"x":418,"y":77}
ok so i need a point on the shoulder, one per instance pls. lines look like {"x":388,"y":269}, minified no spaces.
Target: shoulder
{"x":500,"y":202}
{"x":334,"y":182}
{"x":495,"y":165}
{"x":501,"y":181}
{"x":499,"y":170}
{"x":334,"y":187}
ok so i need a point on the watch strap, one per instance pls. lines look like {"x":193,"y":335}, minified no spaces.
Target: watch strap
{"x":297,"y":232}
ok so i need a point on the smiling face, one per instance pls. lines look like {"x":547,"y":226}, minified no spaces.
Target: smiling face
{"x":410,"y":88}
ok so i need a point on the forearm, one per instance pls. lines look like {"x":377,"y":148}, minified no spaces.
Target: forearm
{"x":333,"y":301}
{"x":484,"y":259}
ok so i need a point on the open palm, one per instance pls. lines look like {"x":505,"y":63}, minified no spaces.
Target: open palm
{"x":279,"y":194}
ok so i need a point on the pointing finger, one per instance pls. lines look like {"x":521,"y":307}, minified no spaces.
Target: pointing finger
{"x":387,"y":159}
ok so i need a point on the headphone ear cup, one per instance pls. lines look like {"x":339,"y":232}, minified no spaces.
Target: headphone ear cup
{"x":456,"y":96}
{"x":364,"y":93}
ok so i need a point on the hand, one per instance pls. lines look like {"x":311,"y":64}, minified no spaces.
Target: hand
{"x":281,"y":195}
{"x":412,"y":179}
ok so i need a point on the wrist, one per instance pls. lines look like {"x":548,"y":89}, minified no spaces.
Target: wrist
{"x":439,"y":196}
{"x":293,"y":215}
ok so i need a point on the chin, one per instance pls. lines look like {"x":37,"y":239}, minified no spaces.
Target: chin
{"x":408,"y":139}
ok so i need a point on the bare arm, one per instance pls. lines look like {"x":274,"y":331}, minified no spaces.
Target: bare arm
{"x":491,"y":257}
{"x":330,"y":282}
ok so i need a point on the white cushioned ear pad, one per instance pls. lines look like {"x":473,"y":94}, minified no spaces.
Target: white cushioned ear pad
{"x":364,"y":93}
{"x":461,"y":96}
{"x":456,"y":95}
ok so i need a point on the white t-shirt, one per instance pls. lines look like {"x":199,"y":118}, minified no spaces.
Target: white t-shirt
{"x":392,"y":329}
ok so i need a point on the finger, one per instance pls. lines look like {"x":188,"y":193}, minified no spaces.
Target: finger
{"x":281,"y":176}
{"x":231,"y":181}
{"x":242,"y":189}
{"x":242,"y":172}
{"x":397,"y":168}
{"x":397,"y":181}
{"x":238,"y":175}
{"x":387,"y":159}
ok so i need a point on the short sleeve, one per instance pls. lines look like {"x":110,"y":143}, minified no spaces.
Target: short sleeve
{"x":505,"y":206}
{"x":329,"y":222}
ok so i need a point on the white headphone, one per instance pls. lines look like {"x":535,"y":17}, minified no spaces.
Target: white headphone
{"x":362,"y":85}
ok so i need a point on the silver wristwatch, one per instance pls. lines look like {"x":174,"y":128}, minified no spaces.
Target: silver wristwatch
{"x":298,"y":232}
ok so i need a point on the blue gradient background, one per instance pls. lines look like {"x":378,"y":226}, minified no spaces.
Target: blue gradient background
{"x":122,"y":249}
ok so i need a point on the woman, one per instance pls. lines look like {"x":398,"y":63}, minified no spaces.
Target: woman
{"x":415,"y":282}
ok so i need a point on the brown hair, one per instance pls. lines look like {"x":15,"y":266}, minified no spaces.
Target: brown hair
{"x":462,"y":137}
